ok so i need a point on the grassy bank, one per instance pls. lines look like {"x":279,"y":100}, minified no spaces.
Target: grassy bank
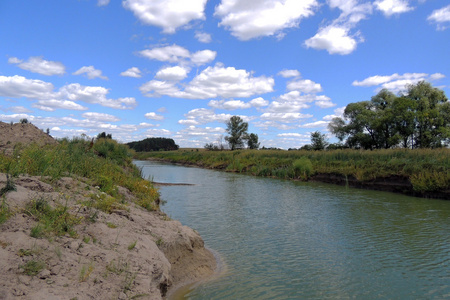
{"x":427,"y":170}
{"x":105,"y":164}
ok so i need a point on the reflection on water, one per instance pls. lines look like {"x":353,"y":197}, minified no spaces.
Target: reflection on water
{"x":289,"y":240}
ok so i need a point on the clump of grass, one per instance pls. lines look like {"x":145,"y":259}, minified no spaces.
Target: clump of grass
{"x":85,"y":272}
{"x":132,"y":245}
{"x":111,"y":225}
{"x":57,"y":221}
{"x":5,"y":212}
{"x":302,"y":168}
{"x":33,"y":267}
{"x":10,"y":186}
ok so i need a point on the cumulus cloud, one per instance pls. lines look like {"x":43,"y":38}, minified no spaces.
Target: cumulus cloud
{"x":334,"y":39}
{"x":16,"y":109}
{"x":203,"y":37}
{"x":255,"y":18}
{"x":168,"y":14}
{"x":102,"y":2}
{"x":176,"y":73}
{"x":289,"y":73}
{"x":284,"y":117}
{"x":19,"y":86}
{"x":397,"y":82}
{"x":203,"y":115}
{"x":259,"y":102}
{"x":213,"y":82}
{"x":305,"y":86}
{"x":154,"y":116}
{"x":101,"y":117}
{"x":441,"y":17}
{"x":178,"y":54}
{"x":132,"y":72}
{"x":39,"y":65}
{"x":53,"y":104}
{"x":229,"y":105}
{"x":315,"y":124}
{"x":90,"y":72}
{"x":392,"y":7}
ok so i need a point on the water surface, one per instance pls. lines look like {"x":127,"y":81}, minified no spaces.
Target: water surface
{"x":292,"y":240}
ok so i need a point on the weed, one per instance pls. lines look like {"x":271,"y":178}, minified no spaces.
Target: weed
{"x":5,"y":212}
{"x":25,"y":252}
{"x":33,"y":267}
{"x":85,"y":272}
{"x":159,"y":242}
{"x":10,"y":186}
{"x":117,"y":267}
{"x":4,"y":244}
{"x":111,"y":225}
{"x":86,"y":239}
{"x":132,"y":245}
{"x":129,"y":281}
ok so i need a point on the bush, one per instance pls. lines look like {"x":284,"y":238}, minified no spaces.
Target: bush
{"x":302,"y":168}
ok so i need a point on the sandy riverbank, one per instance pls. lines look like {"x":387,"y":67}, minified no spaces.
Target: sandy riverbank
{"x":129,"y":253}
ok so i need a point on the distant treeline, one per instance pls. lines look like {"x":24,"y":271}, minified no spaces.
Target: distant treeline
{"x":153,"y":144}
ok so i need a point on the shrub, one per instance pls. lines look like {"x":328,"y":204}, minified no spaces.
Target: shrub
{"x":302,"y":168}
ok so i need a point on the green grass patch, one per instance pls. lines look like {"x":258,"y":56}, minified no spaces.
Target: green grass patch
{"x":33,"y":267}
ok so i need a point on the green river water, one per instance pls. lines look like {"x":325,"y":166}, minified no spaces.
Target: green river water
{"x":292,"y":240}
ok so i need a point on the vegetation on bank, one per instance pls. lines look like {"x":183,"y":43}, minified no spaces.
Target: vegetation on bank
{"x":103,"y":163}
{"x":153,"y":144}
{"x":428,"y":170}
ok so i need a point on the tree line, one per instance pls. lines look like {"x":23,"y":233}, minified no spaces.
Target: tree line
{"x":417,"y":118}
{"x":153,"y":144}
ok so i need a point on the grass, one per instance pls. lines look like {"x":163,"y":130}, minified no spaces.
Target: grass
{"x":105,"y":164}
{"x":51,"y":221}
{"x":132,"y":245}
{"x":33,"y":267}
{"x":427,"y":169}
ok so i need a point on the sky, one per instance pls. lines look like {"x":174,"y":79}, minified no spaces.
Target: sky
{"x":181,"y":68}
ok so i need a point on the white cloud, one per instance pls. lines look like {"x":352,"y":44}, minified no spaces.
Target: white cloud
{"x":255,"y":18}
{"x":94,"y":95}
{"x":396,"y":82}
{"x":229,"y":105}
{"x":203,"y":37}
{"x":176,"y":73}
{"x":101,"y":117}
{"x":289,"y":73}
{"x":259,"y":102}
{"x":102,"y":2}
{"x":392,"y":7}
{"x":53,"y":104}
{"x":202,"y":116}
{"x":294,"y":134}
{"x":172,"y":53}
{"x":19,"y":86}
{"x":90,"y":72}
{"x":202,"y":57}
{"x":441,"y":17}
{"x":334,"y":39}
{"x":17,"y":109}
{"x":305,"y":86}
{"x":154,"y":116}
{"x":168,"y":14}
{"x":213,"y":82}
{"x":178,"y":54}
{"x":39,"y":65}
{"x":315,"y":124}
{"x":132,"y":72}
{"x":284,"y":117}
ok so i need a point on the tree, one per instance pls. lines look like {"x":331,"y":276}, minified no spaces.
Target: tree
{"x":318,"y":141}
{"x":103,"y":135}
{"x":419,"y":118}
{"x":252,"y":141}
{"x":237,"y":130}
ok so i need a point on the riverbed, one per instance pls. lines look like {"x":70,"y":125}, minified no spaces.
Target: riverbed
{"x":295,"y":240}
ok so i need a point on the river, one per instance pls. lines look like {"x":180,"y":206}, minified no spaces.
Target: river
{"x":295,"y":240}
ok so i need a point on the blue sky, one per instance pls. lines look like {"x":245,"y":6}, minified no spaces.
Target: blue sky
{"x":181,"y":69}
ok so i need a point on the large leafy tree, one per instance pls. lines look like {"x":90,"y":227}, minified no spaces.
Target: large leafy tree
{"x":237,"y":130}
{"x":252,"y":141}
{"x":420,"y":118}
{"x":318,"y":141}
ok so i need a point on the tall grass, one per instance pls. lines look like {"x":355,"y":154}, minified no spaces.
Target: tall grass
{"x":105,"y":163}
{"x":427,"y":169}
